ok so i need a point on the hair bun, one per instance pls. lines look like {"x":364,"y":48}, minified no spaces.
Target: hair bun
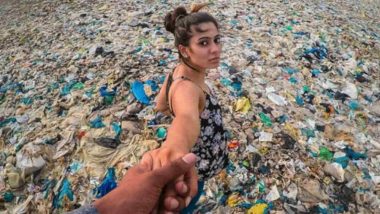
{"x":171,"y":18}
{"x":197,"y":7}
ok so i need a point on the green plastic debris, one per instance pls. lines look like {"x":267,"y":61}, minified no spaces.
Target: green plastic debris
{"x":261,"y":186}
{"x":306,"y":89}
{"x":161,"y":133}
{"x":325,"y":154}
{"x":78,"y":86}
{"x":8,"y":196}
{"x":265,"y":119}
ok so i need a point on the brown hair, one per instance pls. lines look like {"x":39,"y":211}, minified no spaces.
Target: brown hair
{"x":179,"y":23}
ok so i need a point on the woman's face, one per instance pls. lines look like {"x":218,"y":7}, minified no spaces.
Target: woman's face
{"x":205,"y":47}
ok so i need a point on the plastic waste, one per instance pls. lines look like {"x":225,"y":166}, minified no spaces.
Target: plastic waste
{"x":4,"y":122}
{"x":243,"y":105}
{"x":259,"y":208}
{"x":311,"y":192}
{"x":64,"y":193}
{"x":161,"y":133}
{"x":139,"y":91}
{"x":265,"y":136}
{"x":278,"y":100}
{"x":29,"y":159}
{"x":351,"y":90}
{"x":354,"y":155}
{"x":336,"y":170}
{"x":108,"y":96}
{"x":97,"y":123}
{"x":273,"y":194}
{"x":116,"y":127}
{"x":265,"y":119}
{"x":8,"y":197}
{"x":107,"y":142}
{"x":325,"y":153}
{"x":291,"y":191}
{"x":108,"y":183}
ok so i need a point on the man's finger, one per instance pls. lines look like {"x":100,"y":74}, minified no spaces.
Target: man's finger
{"x":181,"y":188}
{"x":174,"y":204}
{"x":174,"y":169}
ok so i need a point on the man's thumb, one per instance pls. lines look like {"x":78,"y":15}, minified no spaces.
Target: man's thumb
{"x":175,"y":169}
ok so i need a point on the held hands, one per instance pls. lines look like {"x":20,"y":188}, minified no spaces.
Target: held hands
{"x":141,"y":188}
{"x":178,"y":193}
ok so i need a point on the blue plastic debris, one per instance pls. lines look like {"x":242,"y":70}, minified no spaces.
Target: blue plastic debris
{"x":263,"y":169}
{"x":65,"y":192}
{"x":136,"y":50}
{"x":299,"y":100}
{"x":235,"y":86}
{"x":319,"y":210}
{"x":319,"y":51}
{"x":282,"y":119}
{"x":48,"y":186}
{"x":293,"y":80}
{"x":153,"y":85}
{"x":162,"y":63}
{"x":116,"y":127}
{"x":354,"y":105}
{"x":75,"y":166}
{"x":230,"y":167}
{"x":97,"y":123}
{"x":354,"y":155}
{"x":108,"y":96}
{"x":342,"y":161}
{"x":27,"y":100}
{"x":366,"y":174}
{"x":309,"y":133}
{"x":290,"y":71}
{"x":315,"y":72}
{"x":8,"y":196}
{"x":245,"y":205}
{"x":108,"y":183}
{"x":66,"y":89}
{"x":4,"y":122}
{"x":139,"y":92}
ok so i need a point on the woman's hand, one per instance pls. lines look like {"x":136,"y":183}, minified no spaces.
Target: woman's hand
{"x":179,"y":191}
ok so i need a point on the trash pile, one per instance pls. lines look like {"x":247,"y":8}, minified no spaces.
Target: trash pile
{"x":299,"y":84}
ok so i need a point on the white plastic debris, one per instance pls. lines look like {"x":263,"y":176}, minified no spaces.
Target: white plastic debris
{"x":265,"y":136}
{"x":336,"y":170}
{"x":277,"y":99}
{"x":273,"y":194}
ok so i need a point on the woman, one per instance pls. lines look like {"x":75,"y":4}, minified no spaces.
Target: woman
{"x":197,"y":125}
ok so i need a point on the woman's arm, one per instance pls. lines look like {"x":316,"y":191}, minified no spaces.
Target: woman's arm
{"x":185,"y":128}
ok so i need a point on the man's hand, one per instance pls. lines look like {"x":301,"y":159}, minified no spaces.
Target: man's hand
{"x":179,"y":192}
{"x":140,"y":189}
